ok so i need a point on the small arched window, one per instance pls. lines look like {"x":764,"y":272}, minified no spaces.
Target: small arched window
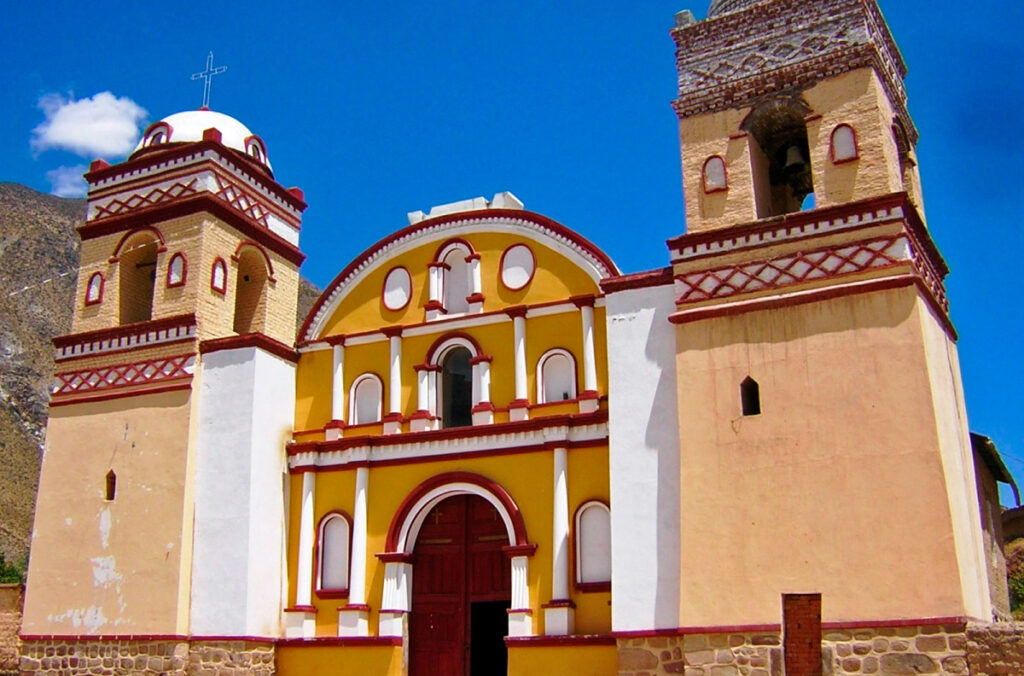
{"x":556,"y":376}
{"x":94,"y":289}
{"x":715,"y":178}
{"x":111,"y":486}
{"x":456,"y":282}
{"x":219,"y":276}
{"x":750,"y":396}
{"x":456,"y":394}
{"x":844,"y":144}
{"x":366,"y":399}
{"x":593,"y":544}
{"x":334,"y":545}
{"x":176,"y":270}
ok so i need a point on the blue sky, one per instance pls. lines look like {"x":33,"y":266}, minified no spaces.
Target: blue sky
{"x":377,"y":109}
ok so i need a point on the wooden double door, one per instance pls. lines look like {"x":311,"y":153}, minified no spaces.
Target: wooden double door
{"x":461,"y":591}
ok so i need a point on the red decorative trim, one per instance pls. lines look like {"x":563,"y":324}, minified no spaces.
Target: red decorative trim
{"x":335,"y":340}
{"x":639,"y":280}
{"x":301,"y":609}
{"x":432,"y":305}
{"x":88,"y":289}
{"x":341,"y":641}
{"x":157,"y":195}
{"x":393,"y":611}
{"x":254,"y":140}
{"x":116,"y":256}
{"x":212,"y":134}
{"x":297,"y":193}
{"x":125,"y":330}
{"x":120,"y":393}
{"x":223,"y":287}
{"x":454,"y":241}
{"x":403,"y":514}
{"x":422,"y":414}
{"x":559,"y":603}
{"x":577,"y":640}
{"x":258,"y":340}
{"x":586,"y":300}
{"x":432,"y":352}
{"x":589,"y":394}
{"x":436,"y":264}
{"x":428,"y":367}
{"x":516,"y":214}
{"x":184,"y":270}
{"x":475,"y":298}
{"x":358,"y":607}
{"x":147,"y":141}
{"x":519,"y":403}
{"x":777,"y":628}
{"x":236,"y":257}
{"x":393,"y":417}
{"x":392,"y":331}
{"x":482,"y":406}
{"x":98,"y":165}
{"x":395,"y":557}
{"x":832,"y":145}
{"x":121,"y":375}
{"x":516,"y":311}
{"x":384,"y":288}
{"x":201,"y":202}
{"x":923,"y":622}
{"x":148,"y":637}
{"x":513,"y":551}
{"x":472,"y":257}
{"x":339,"y":593}
{"x":481,"y":359}
{"x":525,"y":611}
{"x":704,"y":175}
{"x":592,"y":587}
{"x":501,"y":267}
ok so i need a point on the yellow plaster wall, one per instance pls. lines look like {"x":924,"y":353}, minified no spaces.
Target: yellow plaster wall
{"x":339,"y":659}
{"x":119,"y":561}
{"x":588,"y":480}
{"x":599,"y":660}
{"x":788,"y":500}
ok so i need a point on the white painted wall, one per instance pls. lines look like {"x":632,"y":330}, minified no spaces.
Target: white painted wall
{"x":644,"y":459}
{"x":247,"y":398}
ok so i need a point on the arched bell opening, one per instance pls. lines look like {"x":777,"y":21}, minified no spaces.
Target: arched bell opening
{"x":250,"y":291}
{"x":780,"y":157}
{"x":137,"y":277}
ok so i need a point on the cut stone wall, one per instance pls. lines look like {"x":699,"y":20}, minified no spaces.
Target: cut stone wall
{"x":174,"y":657}
{"x":995,"y":649}
{"x":885,"y":651}
{"x":10,"y":623}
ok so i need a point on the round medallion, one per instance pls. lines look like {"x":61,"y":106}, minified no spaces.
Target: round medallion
{"x":397,"y":289}
{"x":517,"y":266}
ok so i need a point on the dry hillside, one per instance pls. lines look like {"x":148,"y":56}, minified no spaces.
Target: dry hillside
{"x":38,"y":259}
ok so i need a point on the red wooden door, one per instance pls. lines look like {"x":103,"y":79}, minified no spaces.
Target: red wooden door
{"x":459,"y":571}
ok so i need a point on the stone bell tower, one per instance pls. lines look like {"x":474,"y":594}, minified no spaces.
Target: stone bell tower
{"x":819,"y":385}
{"x":160,"y":500}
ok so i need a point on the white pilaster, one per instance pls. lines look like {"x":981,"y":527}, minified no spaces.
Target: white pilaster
{"x":558,"y":616}
{"x":434,"y":283}
{"x":304,"y":572}
{"x":518,"y":409}
{"x":476,"y":297}
{"x":588,"y":399}
{"x":393,"y":422}
{"x":483,"y":409}
{"x":396,"y":597}
{"x":337,"y":391}
{"x":520,"y":616}
{"x":422,"y":418}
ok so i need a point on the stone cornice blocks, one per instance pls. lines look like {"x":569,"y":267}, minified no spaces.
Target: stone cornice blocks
{"x":746,"y":57}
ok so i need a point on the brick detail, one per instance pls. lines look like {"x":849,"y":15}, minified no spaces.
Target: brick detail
{"x":174,"y":657}
{"x":140,"y":200}
{"x":801,"y":632}
{"x":123,"y":375}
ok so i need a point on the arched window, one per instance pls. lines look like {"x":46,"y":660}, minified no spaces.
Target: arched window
{"x":366,"y":399}
{"x":750,"y":396}
{"x":137,"y":277}
{"x":456,"y":394}
{"x":334,"y":545}
{"x":250,"y":290}
{"x":94,"y":289}
{"x":715,"y":178}
{"x":219,"y":276}
{"x":556,"y":376}
{"x":456,"y":282}
{"x":593,"y":544}
{"x":176,"y":270}
{"x":844,"y":144}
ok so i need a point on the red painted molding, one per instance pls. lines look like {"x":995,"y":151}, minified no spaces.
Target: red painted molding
{"x":513,"y":551}
{"x":519,"y":403}
{"x":589,"y":394}
{"x":427,"y":367}
{"x":358,"y":607}
{"x":392,"y":331}
{"x":482,"y":406}
{"x":592,"y":587}
{"x":146,"y":637}
{"x":472,"y":257}
{"x":403,"y":514}
{"x":480,"y":359}
{"x":263,"y":342}
{"x":578,"y":640}
{"x":256,"y":245}
{"x":516,"y":311}
{"x":301,"y":609}
{"x":116,"y":256}
{"x":446,"y":337}
{"x":777,"y":628}
{"x":341,"y":641}
{"x":184,"y":270}
{"x":335,"y":340}
{"x":67,"y":400}
{"x":525,"y":611}
{"x":431,"y":305}
{"x":393,"y":417}
{"x":395,"y":557}
{"x":222,"y":286}
{"x":98,"y":165}
{"x":212,"y":134}
{"x":88,"y":287}
{"x":475,"y":298}
{"x":586,"y":300}
{"x":639,"y":280}
{"x":559,"y":603}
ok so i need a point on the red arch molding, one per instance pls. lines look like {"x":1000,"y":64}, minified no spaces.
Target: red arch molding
{"x":448,"y":336}
{"x":135,"y":231}
{"x":266,"y":257}
{"x":404,"y":510}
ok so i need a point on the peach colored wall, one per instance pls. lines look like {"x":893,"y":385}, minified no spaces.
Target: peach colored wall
{"x":120,"y":561}
{"x":788,"y":501}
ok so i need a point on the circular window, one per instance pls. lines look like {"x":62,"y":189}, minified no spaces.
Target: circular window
{"x":517,"y":266}
{"x":397,"y":289}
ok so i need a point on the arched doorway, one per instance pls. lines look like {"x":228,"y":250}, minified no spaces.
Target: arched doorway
{"x":461,"y":590}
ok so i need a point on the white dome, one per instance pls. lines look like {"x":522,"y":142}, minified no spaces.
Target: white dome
{"x":188,"y":127}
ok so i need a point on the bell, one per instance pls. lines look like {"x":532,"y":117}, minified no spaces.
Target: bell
{"x":795,"y":163}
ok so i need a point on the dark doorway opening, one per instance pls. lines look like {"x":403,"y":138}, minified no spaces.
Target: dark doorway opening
{"x":457,"y":389}
{"x":461,"y":591}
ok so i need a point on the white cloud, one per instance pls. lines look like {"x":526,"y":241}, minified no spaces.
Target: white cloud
{"x":67,"y":181}
{"x":100,"y":126}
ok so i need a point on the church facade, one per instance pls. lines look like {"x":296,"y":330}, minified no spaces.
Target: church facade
{"x":488,"y":450}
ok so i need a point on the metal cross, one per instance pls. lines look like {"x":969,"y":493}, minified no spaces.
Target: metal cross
{"x":208,"y":76}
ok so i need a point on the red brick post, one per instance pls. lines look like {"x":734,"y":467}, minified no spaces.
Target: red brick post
{"x":801,"y":634}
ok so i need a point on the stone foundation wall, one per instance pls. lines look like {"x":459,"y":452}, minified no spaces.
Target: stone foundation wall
{"x":10,"y":623}
{"x":995,"y":649}
{"x":886,"y":651}
{"x":172,"y":657}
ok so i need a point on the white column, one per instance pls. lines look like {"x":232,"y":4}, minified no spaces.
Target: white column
{"x":476,"y":297}
{"x":422,"y":390}
{"x":304,"y":572}
{"x":518,"y":408}
{"x":559,"y":615}
{"x":588,"y":398}
{"x":422,"y":419}
{"x":396,"y":597}
{"x":434,"y":284}
{"x":393,"y":422}
{"x":483,"y":409}
{"x":520,"y":615}
{"x":352,"y":620}
{"x":337,"y":391}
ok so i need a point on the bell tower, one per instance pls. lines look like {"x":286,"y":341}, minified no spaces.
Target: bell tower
{"x":816,"y":359}
{"x":161,"y":491}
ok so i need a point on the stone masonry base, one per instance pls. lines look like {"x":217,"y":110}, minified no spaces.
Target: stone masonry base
{"x":173,"y":656}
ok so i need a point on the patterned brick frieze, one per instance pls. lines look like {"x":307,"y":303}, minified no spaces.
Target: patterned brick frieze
{"x":746,"y":57}
{"x":145,"y":198}
{"x":132,"y":336}
{"x":103,"y":378}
